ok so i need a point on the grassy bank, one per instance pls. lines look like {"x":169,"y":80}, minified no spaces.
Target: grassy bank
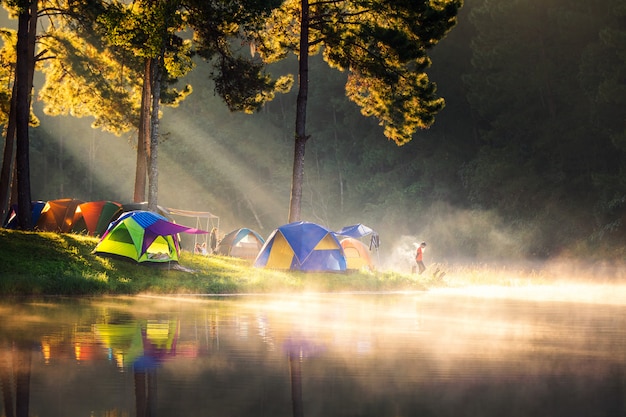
{"x":62,"y":264}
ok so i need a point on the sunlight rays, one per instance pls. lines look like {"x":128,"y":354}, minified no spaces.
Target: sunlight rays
{"x":109,"y":163}
{"x":256,"y":195}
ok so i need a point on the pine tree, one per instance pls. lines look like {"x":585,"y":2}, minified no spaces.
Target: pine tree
{"x":383,"y":45}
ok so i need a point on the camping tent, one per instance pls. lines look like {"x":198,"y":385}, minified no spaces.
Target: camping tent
{"x":58,"y":215}
{"x":204,"y":219}
{"x":143,"y":236}
{"x":358,"y":231}
{"x":144,"y":207}
{"x":241,"y":243}
{"x":95,"y":216}
{"x":302,"y":246}
{"x":357,"y":254}
{"x":11,"y":220}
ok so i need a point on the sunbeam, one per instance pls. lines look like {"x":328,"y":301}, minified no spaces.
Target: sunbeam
{"x":219,"y":160}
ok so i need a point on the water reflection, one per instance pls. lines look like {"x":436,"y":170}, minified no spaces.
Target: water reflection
{"x":369,"y":355}
{"x":15,"y":365}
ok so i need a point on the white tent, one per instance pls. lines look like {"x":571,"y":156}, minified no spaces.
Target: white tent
{"x":204,"y":220}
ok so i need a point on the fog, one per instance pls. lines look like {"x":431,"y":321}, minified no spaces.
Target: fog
{"x":459,"y":240}
{"x":400,"y":353}
{"x":102,"y":167}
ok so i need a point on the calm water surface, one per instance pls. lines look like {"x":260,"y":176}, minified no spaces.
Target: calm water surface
{"x":487,"y":352}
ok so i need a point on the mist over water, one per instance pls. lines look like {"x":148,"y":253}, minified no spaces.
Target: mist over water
{"x":556,"y":350}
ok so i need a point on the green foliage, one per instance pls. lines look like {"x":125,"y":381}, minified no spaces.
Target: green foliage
{"x":401,"y":108}
{"x":142,"y":27}
{"x":219,"y":30}
{"x":83,"y":80}
{"x":242,"y":84}
{"x":7,"y":73}
{"x":7,"y":69}
{"x":383,"y":45}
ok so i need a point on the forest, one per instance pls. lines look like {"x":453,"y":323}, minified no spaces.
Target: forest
{"x":525,"y":162}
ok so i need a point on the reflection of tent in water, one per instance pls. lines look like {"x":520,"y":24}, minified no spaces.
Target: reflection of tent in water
{"x":139,"y":342}
{"x":241,"y":243}
{"x":123,"y":341}
{"x":159,"y":342}
{"x":297,"y":349}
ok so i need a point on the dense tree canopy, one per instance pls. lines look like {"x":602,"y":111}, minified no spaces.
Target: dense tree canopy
{"x":383,"y":45}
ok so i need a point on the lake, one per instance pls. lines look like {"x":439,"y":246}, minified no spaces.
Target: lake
{"x":530,"y":351}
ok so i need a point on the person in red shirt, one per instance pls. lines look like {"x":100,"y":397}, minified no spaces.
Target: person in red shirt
{"x":419,"y":257}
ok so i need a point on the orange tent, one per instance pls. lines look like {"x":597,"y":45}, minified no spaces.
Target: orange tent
{"x":58,"y":215}
{"x":97,"y":215}
{"x":357,"y":255}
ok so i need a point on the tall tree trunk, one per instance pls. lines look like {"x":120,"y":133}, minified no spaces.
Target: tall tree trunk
{"x":27,"y":21}
{"x":13,"y":199}
{"x":143,"y":139}
{"x":8,"y":160}
{"x":153,"y":168}
{"x":295,"y":203}
{"x":61,"y":160}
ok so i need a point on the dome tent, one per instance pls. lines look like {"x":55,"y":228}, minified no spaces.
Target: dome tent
{"x":143,"y":236}
{"x":59,"y":215}
{"x":95,"y":216}
{"x":302,"y":246}
{"x":241,"y":243}
{"x":357,"y":255}
{"x":355,"y":250}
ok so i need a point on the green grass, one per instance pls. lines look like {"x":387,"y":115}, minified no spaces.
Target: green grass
{"x":62,"y":264}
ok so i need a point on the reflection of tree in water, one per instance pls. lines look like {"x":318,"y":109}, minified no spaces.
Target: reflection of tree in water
{"x":145,"y":391}
{"x":159,"y":339}
{"x":295,"y":369}
{"x":15,"y":363}
{"x":144,"y":345}
{"x":297,"y":350}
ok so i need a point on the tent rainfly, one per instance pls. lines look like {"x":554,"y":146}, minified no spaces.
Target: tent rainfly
{"x":358,"y":231}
